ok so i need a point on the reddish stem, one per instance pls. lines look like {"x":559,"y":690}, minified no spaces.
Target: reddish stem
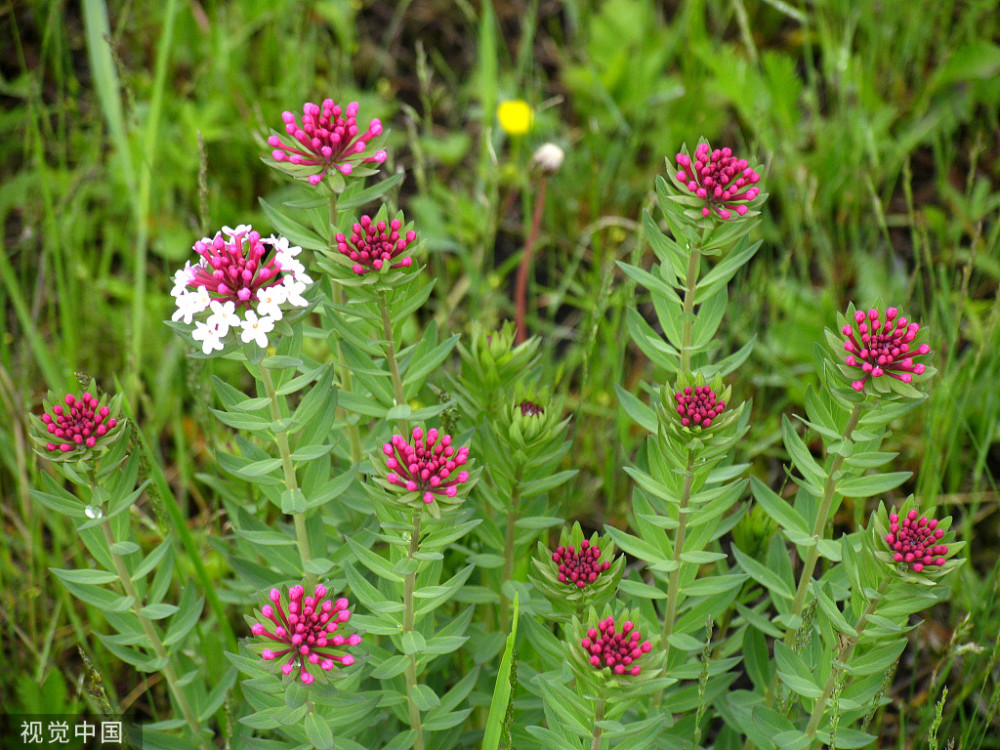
{"x":521,"y":286}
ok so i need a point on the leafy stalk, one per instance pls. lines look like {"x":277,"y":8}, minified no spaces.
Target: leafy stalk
{"x":508,"y":548}
{"x":390,"y":358}
{"x":687,"y":324}
{"x":155,"y":642}
{"x":829,"y":490}
{"x":291,"y":483}
{"x":409,"y":585}
{"x":843,"y":656}
{"x":673,"y":582}
{"x":353,"y":431}
{"x":595,"y":743}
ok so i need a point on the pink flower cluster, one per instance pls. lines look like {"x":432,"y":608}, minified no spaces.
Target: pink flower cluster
{"x":427,"y":465}
{"x":914,"y":541}
{"x":878,"y":348}
{"x":579,"y":567}
{"x":374,"y":244}
{"x":327,"y":138}
{"x":530,"y":409}
{"x":615,"y":650}
{"x":307,"y":630}
{"x":235,"y":269}
{"x":698,"y":406}
{"x":721,"y":180}
{"x":79,"y":422}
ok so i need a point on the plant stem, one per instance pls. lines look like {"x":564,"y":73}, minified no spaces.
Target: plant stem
{"x":409,"y":585}
{"x":829,"y":490}
{"x":595,"y":743}
{"x":508,"y":549}
{"x":390,"y":358}
{"x":673,"y":582}
{"x":521,"y":285}
{"x":353,"y":432}
{"x":687,"y":324}
{"x":153,"y":636}
{"x":846,"y":650}
{"x":291,"y":483}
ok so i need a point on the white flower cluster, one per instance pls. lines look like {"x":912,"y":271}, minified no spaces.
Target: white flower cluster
{"x":230,"y":282}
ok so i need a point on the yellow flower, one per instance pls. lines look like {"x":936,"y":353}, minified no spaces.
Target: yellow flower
{"x":515,"y":116}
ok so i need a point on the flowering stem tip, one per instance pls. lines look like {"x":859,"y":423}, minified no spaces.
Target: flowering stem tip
{"x":882,"y":348}
{"x":579,"y":567}
{"x":327,"y":138}
{"x":375,"y":245}
{"x":308,"y":629}
{"x":427,"y":466}
{"x":618,"y":651}
{"x":77,"y":422}
{"x":914,"y":541}
{"x":724,"y":182}
{"x":698,"y":406}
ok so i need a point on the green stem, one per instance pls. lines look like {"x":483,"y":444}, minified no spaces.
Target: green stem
{"x":353,"y":431}
{"x":687,"y":324}
{"x":844,"y":656}
{"x":595,"y":743}
{"x":829,"y":491}
{"x":508,"y":550}
{"x":390,"y":358}
{"x":153,"y":636}
{"x":409,"y":585}
{"x":291,"y":483}
{"x":673,"y":582}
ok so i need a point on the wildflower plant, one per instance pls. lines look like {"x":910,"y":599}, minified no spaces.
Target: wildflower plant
{"x":345,"y":466}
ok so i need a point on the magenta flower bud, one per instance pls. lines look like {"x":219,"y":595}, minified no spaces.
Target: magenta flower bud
{"x":698,"y":406}
{"x":913,"y":542}
{"x":304,"y":631}
{"x":329,"y":138}
{"x":882,"y":347}
{"x":718,"y":178}
{"x":78,"y":422}
{"x":375,"y":247}
{"x":423,"y":466}
{"x":615,"y":650}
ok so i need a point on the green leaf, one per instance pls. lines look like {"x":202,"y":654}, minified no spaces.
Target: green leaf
{"x":158,"y":611}
{"x":88,"y":575}
{"x":152,"y":559}
{"x":394,"y":665}
{"x":72,"y":508}
{"x":502,"y":688}
{"x":318,"y":732}
{"x":641,"y":414}
{"x":424,"y":697}
{"x":770,"y":580}
{"x":373,"y":561}
{"x":545,"y":484}
{"x":293,"y":501}
{"x":281,"y":361}
{"x":780,"y":511}
{"x":124,"y":548}
{"x":260,"y":468}
{"x":877,"y":659}
{"x":799,"y":452}
{"x":636,"y":547}
{"x":642,"y":590}
{"x":874,"y":484}
{"x":250,"y":422}
{"x":412,"y":642}
{"x":794,"y":672}
{"x":713,"y":584}
{"x":352,"y":200}
{"x":190,"y":613}
{"x":265,"y":537}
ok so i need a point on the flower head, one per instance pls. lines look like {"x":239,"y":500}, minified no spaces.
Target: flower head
{"x":238,"y":270}
{"x":724,"y":182}
{"x":376,"y":245}
{"x":327,"y":138}
{"x":515,"y":116}
{"x":618,"y":651}
{"x":698,"y":406}
{"x":530,"y":409}
{"x":880,"y":348}
{"x":308,"y":629}
{"x":427,"y":466}
{"x":548,"y":157}
{"x":77,"y":423}
{"x":914,"y":541}
{"x":579,"y":566}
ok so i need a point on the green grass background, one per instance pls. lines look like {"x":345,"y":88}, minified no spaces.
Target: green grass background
{"x":128,"y":130}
